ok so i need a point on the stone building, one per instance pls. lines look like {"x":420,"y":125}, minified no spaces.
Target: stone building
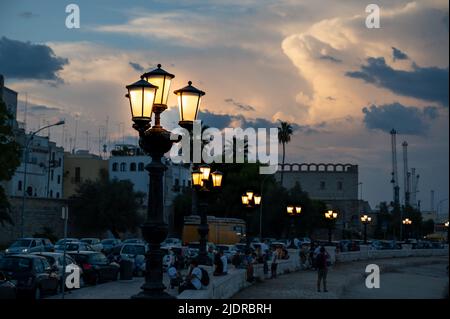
{"x":336,"y":185}
{"x":80,"y":167}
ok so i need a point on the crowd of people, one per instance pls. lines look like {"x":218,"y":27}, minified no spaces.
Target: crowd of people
{"x":314,"y":257}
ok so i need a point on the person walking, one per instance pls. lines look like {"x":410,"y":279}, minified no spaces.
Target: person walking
{"x":322,"y":268}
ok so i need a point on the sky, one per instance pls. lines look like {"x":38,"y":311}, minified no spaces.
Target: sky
{"x":315,"y":64}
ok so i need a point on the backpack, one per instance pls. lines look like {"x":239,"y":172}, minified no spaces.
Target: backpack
{"x":205,"y":277}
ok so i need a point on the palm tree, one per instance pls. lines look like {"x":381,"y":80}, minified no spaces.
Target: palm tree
{"x":285,"y":132}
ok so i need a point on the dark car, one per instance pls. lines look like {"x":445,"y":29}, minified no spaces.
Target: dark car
{"x":48,"y":245}
{"x":33,"y":274}
{"x":8,"y":289}
{"x":96,"y":267}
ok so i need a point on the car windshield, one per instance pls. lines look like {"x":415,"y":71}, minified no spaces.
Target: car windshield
{"x":21,"y":243}
{"x":108,"y":241}
{"x":98,"y":259}
{"x":15,"y":264}
{"x":87,"y":241}
{"x":61,"y":241}
{"x":72,"y":246}
{"x":133,"y":250}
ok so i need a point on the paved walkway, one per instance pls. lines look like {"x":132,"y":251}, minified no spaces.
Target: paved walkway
{"x":347,"y":281}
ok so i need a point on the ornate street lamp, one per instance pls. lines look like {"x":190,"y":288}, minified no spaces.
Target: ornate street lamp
{"x":189,"y":99}
{"x":407,"y":223}
{"x":293,"y":211}
{"x":250,"y":201}
{"x":331,"y":216}
{"x":365,"y":220}
{"x":149,"y":96}
{"x":200,"y":179}
{"x":446,"y":226}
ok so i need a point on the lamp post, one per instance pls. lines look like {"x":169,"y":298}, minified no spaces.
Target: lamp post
{"x":446,"y":227}
{"x":406,"y":223}
{"x":365,"y":220}
{"x":24,"y":189}
{"x":200,"y":181}
{"x":149,"y":96}
{"x":250,"y":200}
{"x":293,"y":211}
{"x":330,"y":216}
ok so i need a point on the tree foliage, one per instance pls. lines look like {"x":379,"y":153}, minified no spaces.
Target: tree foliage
{"x":9,"y":159}
{"x":106,"y":205}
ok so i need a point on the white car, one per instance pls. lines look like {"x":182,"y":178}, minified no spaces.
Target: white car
{"x":95,"y":243}
{"x":171,"y":242}
{"x":228,"y":251}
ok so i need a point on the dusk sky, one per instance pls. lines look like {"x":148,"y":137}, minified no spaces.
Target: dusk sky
{"x":312,"y":63}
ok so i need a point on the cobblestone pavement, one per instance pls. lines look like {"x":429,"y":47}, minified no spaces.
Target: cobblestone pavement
{"x":426,"y":275}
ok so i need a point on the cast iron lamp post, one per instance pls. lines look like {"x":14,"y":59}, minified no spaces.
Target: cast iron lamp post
{"x":147,"y":96}
{"x":446,"y":227}
{"x":200,"y":181}
{"x":293,"y":211}
{"x":330,"y":217}
{"x":406,"y":223}
{"x":365,"y":220}
{"x":250,"y":200}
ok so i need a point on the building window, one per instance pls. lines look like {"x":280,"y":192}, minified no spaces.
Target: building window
{"x":51,"y":193}
{"x":30,"y":191}
{"x":59,"y":162}
{"x":19,"y":186}
{"x":322,"y":186}
{"x":133,"y":167}
{"x":140,"y":167}
{"x":77,"y":174}
{"x":59,"y":179}
{"x":114,"y":167}
{"x":52,"y":174}
{"x":57,"y":195}
{"x":123,"y":167}
{"x":339,"y":185}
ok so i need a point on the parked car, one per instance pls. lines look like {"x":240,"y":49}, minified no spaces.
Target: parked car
{"x":47,"y":244}
{"x":109,"y":244}
{"x":93,"y":242}
{"x":134,"y":241}
{"x":96,"y":267}
{"x":74,"y":246}
{"x":56,"y":261}
{"x":8,"y":289}
{"x":59,"y":245}
{"x":25,"y":246}
{"x":33,"y":274}
{"x":172,"y":242}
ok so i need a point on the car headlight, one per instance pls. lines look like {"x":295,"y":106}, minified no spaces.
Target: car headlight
{"x":25,"y":250}
{"x":6,"y":250}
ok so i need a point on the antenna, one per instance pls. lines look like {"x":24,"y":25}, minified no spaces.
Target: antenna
{"x":406,"y":174}
{"x":394,"y":180}
{"x":76,"y":133}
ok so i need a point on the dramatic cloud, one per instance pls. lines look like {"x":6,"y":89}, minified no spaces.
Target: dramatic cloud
{"x":330,"y":58}
{"x":406,"y":120}
{"x":398,"y":55}
{"x":24,"y":60}
{"x":137,"y":66}
{"x":240,"y":106}
{"x":429,"y":84}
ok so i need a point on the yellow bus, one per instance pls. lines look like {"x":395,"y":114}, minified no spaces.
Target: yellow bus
{"x":226,"y":231}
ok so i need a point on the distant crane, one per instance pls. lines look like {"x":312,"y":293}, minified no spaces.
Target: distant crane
{"x":394,"y":173}
{"x":406,"y":175}
{"x":415,"y":187}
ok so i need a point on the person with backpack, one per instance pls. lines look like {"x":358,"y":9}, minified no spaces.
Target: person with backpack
{"x":195,"y":278}
{"x":322,"y":268}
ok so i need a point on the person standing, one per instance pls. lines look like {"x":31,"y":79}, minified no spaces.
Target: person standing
{"x":322,"y":268}
{"x":274,"y":263}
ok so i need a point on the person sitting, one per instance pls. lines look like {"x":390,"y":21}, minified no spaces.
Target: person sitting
{"x":218,"y":262}
{"x":174,"y":276}
{"x":193,"y":279}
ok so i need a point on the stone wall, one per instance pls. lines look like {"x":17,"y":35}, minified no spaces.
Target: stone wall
{"x":39,"y":213}
{"x":226,"y":286}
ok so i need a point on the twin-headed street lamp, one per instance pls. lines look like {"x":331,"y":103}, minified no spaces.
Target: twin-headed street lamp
{"x":365,"y":219}
{"x":250,"y":200}
{"x":330,"y":216}
{"x":406,"y":223}
{"x":200,"y":181}
{"x":293,"y":211}
{"x":149,"y":96}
